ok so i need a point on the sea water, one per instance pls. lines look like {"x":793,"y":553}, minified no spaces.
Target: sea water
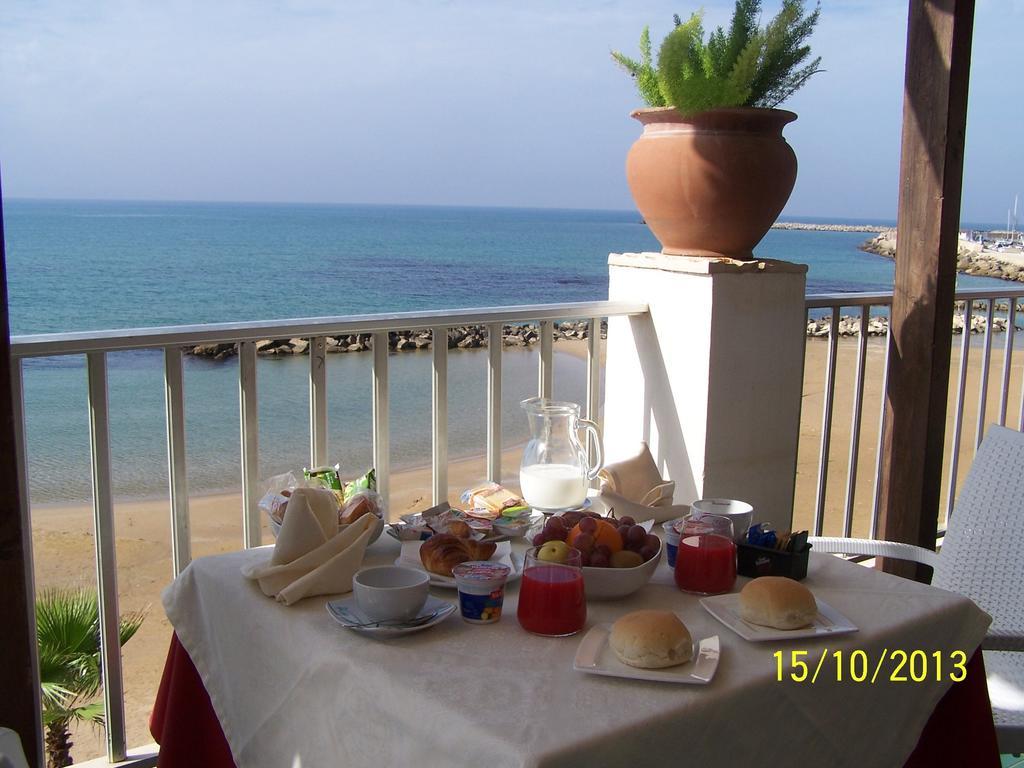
{"x":75,"y":266}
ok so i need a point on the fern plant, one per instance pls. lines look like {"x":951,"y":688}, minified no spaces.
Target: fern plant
{"x":745,"y":66}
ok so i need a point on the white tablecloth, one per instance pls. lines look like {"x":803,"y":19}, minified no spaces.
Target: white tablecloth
{"x":292,"y":688}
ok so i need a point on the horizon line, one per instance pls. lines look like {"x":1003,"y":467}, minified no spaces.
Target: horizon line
{"x":339,"y":204}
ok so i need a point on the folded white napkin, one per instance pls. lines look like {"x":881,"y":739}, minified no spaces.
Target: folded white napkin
{"x":637,"y":479}
{"x":635,"y":487}
{"x":311,"y":557}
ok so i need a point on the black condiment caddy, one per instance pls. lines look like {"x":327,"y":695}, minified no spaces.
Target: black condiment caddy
{"x":754,"y":561}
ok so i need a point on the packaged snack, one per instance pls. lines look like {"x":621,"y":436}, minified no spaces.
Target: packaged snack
{"x":458,"y":523}
{"x":279,"y":490}
{"x":365,"y":482}
{"x":323,"y":477}
{"x":492,"y":498}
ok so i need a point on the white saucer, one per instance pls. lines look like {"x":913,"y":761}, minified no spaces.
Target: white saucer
{"x":346,"y":612}
{"x":587,"y":503}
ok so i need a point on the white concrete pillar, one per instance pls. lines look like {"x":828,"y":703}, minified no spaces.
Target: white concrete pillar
{"x":712,"y":378}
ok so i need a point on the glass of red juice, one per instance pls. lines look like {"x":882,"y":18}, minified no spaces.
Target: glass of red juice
{"x":706,"y":558}
{"x":551,"y":598}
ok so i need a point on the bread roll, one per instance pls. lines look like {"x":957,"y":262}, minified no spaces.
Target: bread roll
{"x":775,"y":601}
{"x":651,"y":640}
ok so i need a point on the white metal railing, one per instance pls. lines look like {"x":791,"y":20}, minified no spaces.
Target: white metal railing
{"x":173,"y":340}
{"x":991,"y":303}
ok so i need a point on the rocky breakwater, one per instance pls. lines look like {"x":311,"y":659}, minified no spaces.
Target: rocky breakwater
{"x":971,"y":258}
{"x":459,"y":337}
{"x":805,"y":227}
{"x":879,"y":326}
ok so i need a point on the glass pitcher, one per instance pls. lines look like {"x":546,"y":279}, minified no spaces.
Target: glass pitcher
{"x":555,"y":471}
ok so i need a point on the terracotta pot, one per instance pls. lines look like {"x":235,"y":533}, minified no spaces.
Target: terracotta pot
{"x":711,"y":183}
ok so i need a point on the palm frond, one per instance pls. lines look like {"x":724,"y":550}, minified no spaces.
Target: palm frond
{"x":68,"y":637}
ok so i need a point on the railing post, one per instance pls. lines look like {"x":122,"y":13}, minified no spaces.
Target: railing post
{"x":177,"y":474}
{"x":1011,"y":329}
{"x":317,"y":401}
{"x":986,"y":356}
{"x":958,"y":418}
{"x":858,"y":411}
{"x":440,"y":414}
{"x":381,"y":427}
{"x":545,"y":372}
{"x":249,"y":430}
{"x":875,"y":498}
{"x":494,"y":350}
{"x":826,"y":423}
{"x":106,"y":556}
{"x":593,"y":379}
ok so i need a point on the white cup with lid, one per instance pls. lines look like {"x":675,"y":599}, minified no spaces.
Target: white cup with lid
{"x":739,"y":512}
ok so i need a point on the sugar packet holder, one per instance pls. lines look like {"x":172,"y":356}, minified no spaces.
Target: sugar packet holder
{"x":765,"y":554}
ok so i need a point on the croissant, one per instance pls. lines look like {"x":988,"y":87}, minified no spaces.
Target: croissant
{"x":442,"y":552}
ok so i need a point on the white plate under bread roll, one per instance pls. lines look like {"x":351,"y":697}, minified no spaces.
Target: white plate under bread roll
{"x":775,"y":601}
{"x":651,"y":640}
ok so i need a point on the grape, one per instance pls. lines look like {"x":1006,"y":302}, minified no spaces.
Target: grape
{"x":623,"y":532}
{"x":627,"y":521}
{"x":554,"y":529}
{"x":571,"y":518}
{"x":599,"y":559}
{"x":584,"y":559}
{"x":588,"y":525}
{"x":635,"y":536}
{"x":647,"y":552}
{"x":584,"y":542}
{"x":540,"y":538}
{"x":603,"y":549}
{"x":652,"y":541}
{"x":554,"y":525}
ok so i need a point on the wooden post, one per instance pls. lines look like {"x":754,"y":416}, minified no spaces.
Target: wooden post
{"x":931,"y":171}
{"x":19,"y":672}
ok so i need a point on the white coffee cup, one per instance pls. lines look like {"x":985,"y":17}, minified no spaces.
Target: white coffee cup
{"x":739,"y":512}
{"x":390,"y":592}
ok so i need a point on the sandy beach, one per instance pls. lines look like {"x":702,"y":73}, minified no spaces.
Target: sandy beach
{"x":63,"y":540}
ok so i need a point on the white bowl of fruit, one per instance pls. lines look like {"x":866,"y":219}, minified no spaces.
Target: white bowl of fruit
{"x":618,"y":555}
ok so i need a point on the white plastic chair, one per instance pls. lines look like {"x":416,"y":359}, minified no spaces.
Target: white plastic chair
{"x":981,"y":558}
{"x":11,"y":754}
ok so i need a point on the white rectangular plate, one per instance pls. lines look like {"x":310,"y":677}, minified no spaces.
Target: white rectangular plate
{"x":410,"y":557}
{"x":725,"y":608}
{"x":595,"y":656}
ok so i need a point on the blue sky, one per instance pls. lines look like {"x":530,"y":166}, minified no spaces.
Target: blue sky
{"x":459,"y":102}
